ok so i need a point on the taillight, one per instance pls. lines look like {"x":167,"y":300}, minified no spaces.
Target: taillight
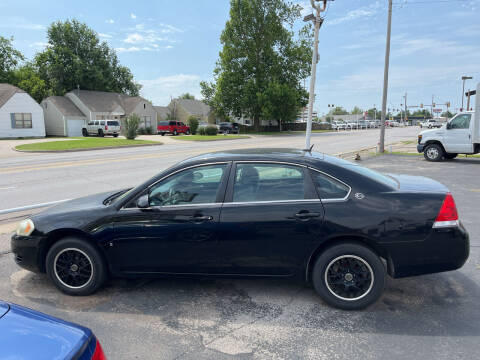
{"x":448,"y":215}
{"x":106,"y":127}
{"x":98,"y":354}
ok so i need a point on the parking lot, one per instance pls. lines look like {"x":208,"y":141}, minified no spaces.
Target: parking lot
{"x":433,"y":316}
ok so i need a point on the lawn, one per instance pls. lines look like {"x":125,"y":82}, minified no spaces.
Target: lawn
{"x":209,"y":137}
{"x":83,"y":143}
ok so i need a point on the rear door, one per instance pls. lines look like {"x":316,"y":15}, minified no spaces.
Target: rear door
{"x":458,"y":136}
{"x":270,"y":216}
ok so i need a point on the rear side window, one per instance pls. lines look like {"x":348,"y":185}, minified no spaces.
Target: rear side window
{"x":113,"y":123}
{"x":328,"y":187}
{"x":268,"y":182}
{"x":96,"y":122}
{"x":102,"y":122}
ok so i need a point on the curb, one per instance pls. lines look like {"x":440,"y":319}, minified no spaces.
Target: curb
{"x":86,"y":149}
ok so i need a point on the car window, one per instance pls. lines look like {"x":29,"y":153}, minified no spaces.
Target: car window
{"x":90,"y":123}
{"x":373,"y":175}
{"x":268,"y":182}
{"x":172,"y":123}
{"x":197,"y":185}
{"x":328,"y":187}
{"x":462,"y":121}
{"x":102,"y":122}
{"x":113,"y":123}
{"x":96,"y":122}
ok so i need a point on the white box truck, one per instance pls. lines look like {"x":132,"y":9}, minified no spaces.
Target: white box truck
{"x":460,"y":135}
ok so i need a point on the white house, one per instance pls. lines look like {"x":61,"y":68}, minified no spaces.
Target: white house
{"x":20,"y":115}
{"x":62,"y":117}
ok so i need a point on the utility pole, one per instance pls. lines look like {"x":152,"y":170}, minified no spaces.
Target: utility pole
{"x":385,"y":78}
{"x":317,"y":20}
{"x":463,"y":87}
{"x":406,"y":114}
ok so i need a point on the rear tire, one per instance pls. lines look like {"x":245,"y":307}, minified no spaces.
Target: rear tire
{"x":115,"y":135}
{"x":175,"y":132}
{"x":163,"y":134}
{"x":187,"y":132}
{"x":349,"y":276}
{"x":84,"y":132}
{"x":433,"y":152}
{"x":448,"y":156}
{"x":75,"y":266}
{"x":100,"y":133}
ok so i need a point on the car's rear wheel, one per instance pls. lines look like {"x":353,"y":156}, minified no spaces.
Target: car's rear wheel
{"x":100,"y":133}
{"x":349,"y":276}
{"x":450,"y":156}
{"x":115,"y":135}
{"x":175,"y":132}
{"x":84,"y":132}
{"x":75,"y":266}
{"x":433,"y":152}
{"x":163,"y":134}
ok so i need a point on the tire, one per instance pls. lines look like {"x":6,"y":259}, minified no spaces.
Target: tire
{"x":448,"y":156}
{"x":175,"y":132}
{"x":115,"y":135}
{"x":163,"y":134}
{"x":86,"y":254}
{"x":346,"y":260}
{"x":84,"y":132}
{"x":100,"y":133}
{"x":433,"y":152}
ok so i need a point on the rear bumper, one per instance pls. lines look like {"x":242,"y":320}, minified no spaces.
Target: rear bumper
{"x":420,"y":148}
{"x":26,"y":251}
{"x":444,"y":250}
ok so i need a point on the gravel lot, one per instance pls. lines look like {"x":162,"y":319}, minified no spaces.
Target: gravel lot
{"x":433,"y":316}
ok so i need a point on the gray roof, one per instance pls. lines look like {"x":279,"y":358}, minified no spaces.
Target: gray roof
{"x":65,"y":106}
{"x":194,"y":107}
{"x":102,"y":101}
{"x":7,"y":91}
{"x":163,"y":111}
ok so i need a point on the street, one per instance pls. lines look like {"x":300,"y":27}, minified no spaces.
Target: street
{"x":433,"y":316}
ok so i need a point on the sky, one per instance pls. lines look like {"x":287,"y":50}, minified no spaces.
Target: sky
{"x":170,"y":46}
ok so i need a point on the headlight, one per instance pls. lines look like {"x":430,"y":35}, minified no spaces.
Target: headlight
{"x":25,"y":228}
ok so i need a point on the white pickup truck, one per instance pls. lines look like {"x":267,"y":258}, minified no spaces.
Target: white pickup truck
{"x":460,"y":135}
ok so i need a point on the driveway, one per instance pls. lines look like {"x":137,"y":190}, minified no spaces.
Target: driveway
{"x":428,"y":317}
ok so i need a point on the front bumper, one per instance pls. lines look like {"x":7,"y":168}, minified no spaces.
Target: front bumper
{"x":27,"y":252}
{"x":443,"y":250}
{"x":420,"y":148}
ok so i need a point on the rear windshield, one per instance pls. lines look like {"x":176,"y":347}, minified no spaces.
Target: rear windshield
{"x":163,"y":123}
{"x":173,"y":123}
{"x":374,"y":175}
{"x":113,"y":123}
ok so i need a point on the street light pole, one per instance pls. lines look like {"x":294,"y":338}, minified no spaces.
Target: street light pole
{"x":385,"y":78}
{"x":318,"y":22}
{"x":463,"y":88}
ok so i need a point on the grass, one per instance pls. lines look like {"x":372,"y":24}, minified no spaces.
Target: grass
{"x":209,"y":137}
{"x":83,"y":143}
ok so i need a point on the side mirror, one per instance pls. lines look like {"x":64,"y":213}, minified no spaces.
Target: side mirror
{"x":142,"y":202}
{"x":448,"y":126}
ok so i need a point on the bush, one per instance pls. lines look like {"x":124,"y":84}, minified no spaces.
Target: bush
{"x":148,"y":130}
{"x":211,"y":130}
{"x":131,"y":126}
{"x":141,"y":131}
{"x":201,"y":131}
{"x":193,"y":123}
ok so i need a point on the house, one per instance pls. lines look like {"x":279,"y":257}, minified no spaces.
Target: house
{"x":182,"y":109}
{"x":62,"y":117}
{"x":97,"y":105}
{"x":163,"y":113}
{"x":20,"y":115}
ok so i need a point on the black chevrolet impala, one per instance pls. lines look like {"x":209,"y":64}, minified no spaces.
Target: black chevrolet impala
{"x":253,"y":213}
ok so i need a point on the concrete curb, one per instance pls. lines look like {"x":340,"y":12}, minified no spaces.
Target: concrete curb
{"x":86,"y":149}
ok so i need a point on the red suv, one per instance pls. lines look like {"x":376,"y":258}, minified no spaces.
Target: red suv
{"x":173,"y":127}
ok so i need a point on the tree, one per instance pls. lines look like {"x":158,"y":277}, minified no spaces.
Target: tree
{"x":425,"y":113}
{"x":27,"y":79}
{"x":259,"y":48}
{"x":447,"y":114}
{"x":76,"y":57}
{"x":187,"y":96}
{"x":282,"y":102}
{"x":356,"y":110}
{"x":338,"y":110}
{"x":193,"y":123}
{"x":9,"y":59}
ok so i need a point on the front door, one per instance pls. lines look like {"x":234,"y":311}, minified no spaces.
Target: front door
{"x":270,"y":216}
{"x":178,"y":232}
{"x":458,"y":137}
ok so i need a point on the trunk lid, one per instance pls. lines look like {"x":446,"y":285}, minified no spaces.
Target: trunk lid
{"x":418,"y":183}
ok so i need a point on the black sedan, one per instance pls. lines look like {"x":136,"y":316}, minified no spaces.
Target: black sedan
{"x":228,"y":128}
{"x":253,"y":213}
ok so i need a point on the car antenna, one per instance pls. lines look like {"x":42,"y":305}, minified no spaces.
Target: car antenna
{"x":309,"y":150}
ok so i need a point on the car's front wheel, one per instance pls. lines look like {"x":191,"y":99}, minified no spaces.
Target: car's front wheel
{"x":187,"y":132}
{"x":349,"y":276}
{"x":175,"y":132}
{"x":433,"y":152}
{"x":75,"y":266}
{"x":84,"y":132}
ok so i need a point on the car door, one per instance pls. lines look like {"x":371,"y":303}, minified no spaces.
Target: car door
{"x":178,"y":231}
{"x":458,"y":137}
{"x":269,"y":216}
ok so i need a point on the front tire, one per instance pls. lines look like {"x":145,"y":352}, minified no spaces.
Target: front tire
{"x":175,"y":132}
{"x":349,"y":276}
{"x":433,"y":152}
{"x":187,"y":132}
{"x":84,"y":132}
{"x":75,"y":266}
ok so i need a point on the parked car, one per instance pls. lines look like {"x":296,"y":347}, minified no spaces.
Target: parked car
{"x":362,"y":124}
{"x":431,"y":123}
{"x":204,"y":124}
{"x":352,"y":125}
{"x":102,"y":128}
{"x":228,"y":128}
{"x":338,"y":125}
{"x":173,"y":127}
{"x":29,"y":334}
{"x":255,"y":212}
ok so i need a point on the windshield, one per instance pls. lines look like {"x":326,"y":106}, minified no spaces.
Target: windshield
{"x":374,"y":175}
{"x":113,"y":123}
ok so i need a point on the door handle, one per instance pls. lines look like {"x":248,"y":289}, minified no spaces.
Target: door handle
{"x":306,"y":215}
{"x":201,"y":218}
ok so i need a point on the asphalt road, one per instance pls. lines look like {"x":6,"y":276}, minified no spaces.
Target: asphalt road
{"x":428,"y":317}
{"x":29,"y":178}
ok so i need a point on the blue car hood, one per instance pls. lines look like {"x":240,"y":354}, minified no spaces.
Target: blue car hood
{"x":27,"y":334}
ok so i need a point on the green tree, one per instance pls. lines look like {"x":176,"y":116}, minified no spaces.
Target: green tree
{"x":259,"y":48}
{"x":447,"y":114}
{"x":338,"y":110}
{"x":425,"y":113}
{"x":282,"y":102}
{"x":356,"y":110}
{"x":9,"y":59}
{"x":193,"y":123}
{"x":26,"y":78}
{"x":187,"y":96}
{"x":76,"y":57}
